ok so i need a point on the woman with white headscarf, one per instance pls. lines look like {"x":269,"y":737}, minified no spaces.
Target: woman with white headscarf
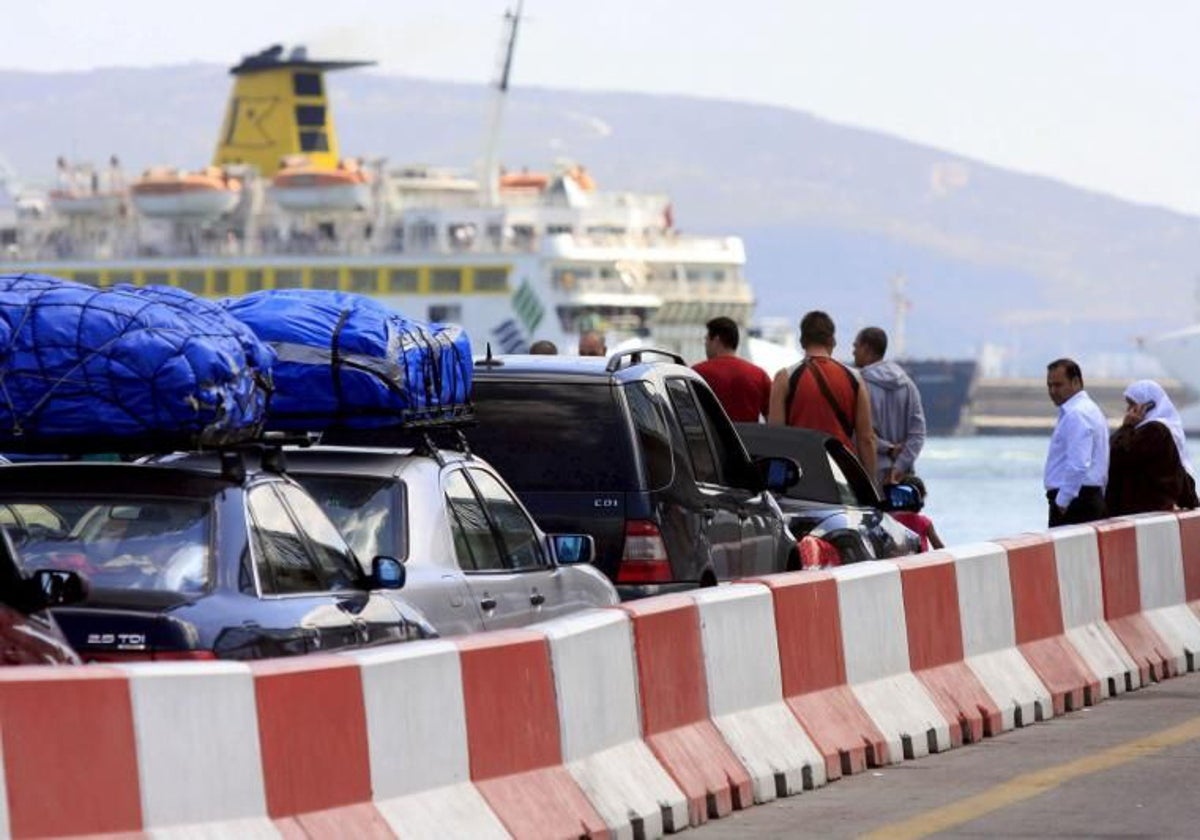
{"x":1148,"y":466}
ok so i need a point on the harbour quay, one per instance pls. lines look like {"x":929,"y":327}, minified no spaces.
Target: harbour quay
{"x":1020,"y":406}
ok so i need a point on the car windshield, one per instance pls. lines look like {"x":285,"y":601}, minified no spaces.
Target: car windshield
{"x":133,"y":543}
{"x":368,"y":512}
{"x":559,"y":436}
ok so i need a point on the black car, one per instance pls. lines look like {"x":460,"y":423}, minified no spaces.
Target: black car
{"x":834,"y":499}
{"x":637,"y":452}
{"x":226,"y":559}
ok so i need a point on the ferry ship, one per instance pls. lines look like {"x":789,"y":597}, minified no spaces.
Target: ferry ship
{"x":513,"y":256}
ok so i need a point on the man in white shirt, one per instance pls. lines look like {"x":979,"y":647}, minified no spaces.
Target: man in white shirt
{"x":1077,"y":463}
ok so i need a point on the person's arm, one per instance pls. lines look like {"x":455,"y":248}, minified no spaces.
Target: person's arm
{"x":934,"y":540}
{"x":765,"y":386}
{"x":1078,"y":458}
{"x":864,"y":431}
{"x":915,"y":441}
{"x":777,"y":411}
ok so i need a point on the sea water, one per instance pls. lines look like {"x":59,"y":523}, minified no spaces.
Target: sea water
{"x":983,"y":488}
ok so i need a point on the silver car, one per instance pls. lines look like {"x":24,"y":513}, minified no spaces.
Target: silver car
{"x":475,"y":559}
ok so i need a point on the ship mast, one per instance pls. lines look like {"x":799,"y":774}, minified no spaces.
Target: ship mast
{"x":900,"y":306}
{"x":490,"y":183}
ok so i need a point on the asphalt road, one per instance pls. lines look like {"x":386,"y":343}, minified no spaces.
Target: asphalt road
{"x":1127,"y":767}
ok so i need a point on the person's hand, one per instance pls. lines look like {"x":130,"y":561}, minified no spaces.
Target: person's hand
{"x":893,"y":476}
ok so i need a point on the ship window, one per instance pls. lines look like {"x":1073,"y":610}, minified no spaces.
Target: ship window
{"x":324,"y":278}
{"x":445,"y":313}
{"x":254,"y":280}
{"x":402,"y":280}
{"x":445,"y":280}
{"x":220,"y":282}
{"x":491,"y":279}
{"x":310,"y":115}
{"x":306,"y":84}
{"x":364,"y":280}
{"x":289,"y":278}
{"x":193,"y":281}
{"x":117,"y":277}
{"x":156,"y":278}
{"x":552,"y":230}
{"x":314,"y":141}
{"x":91,"y":278}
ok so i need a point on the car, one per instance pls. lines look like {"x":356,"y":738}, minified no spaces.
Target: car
{"x":834,"y":499}
{"x":635,"y":450}
{"x":475,"y":559}
{"x":200,"y":557}
{"x":29,"y":635}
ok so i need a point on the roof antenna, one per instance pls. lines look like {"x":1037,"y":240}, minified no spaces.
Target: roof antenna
{"x":488,"y":359}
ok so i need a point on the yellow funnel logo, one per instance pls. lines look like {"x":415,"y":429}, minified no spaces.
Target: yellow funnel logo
{"x":248,"y":117}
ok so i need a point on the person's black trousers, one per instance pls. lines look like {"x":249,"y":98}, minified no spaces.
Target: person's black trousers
{"x":1088,"y":506}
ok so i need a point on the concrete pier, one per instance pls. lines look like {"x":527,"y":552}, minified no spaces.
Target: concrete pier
{"x":1022,"y":406}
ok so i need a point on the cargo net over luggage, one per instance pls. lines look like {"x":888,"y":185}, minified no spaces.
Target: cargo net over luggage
{"x":127,"y":369}
{"x":346,"y":361}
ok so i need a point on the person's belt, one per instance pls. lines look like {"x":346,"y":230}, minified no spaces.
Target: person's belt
{"x":1092,"y":488}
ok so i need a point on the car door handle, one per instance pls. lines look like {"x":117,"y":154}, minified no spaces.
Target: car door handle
{"x":537,"y":599}
{"x":488,"y":603}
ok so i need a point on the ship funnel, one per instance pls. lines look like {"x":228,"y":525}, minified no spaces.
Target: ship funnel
{"x":278,"y":108}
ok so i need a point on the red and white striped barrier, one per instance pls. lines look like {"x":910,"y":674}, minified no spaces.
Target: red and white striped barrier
{"x":630,"y":721}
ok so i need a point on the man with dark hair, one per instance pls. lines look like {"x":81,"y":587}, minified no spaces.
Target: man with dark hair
{"x":743,"y":388}
{"x":1077,"y":462}
{"x":543,"y":348}
{"x":591,"y":343}
{"x":822,"y":393}
{"x":899,"y":418}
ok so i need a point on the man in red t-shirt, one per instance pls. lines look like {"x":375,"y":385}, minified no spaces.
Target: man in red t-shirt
{"x":743,"y":388}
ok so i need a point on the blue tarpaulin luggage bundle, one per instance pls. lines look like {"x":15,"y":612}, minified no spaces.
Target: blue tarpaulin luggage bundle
{"x":85,"y":369}
{"x":347,"y":361}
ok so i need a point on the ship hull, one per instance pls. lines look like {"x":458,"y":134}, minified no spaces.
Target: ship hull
{"x":946,"y":386}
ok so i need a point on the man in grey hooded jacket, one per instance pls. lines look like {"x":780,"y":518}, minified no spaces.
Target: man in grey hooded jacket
{"x":896,"y":408}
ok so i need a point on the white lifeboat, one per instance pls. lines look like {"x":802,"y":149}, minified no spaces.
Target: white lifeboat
{"x":163,"y":192}
{"x":81,"y":204}
{"x":301,"y":187}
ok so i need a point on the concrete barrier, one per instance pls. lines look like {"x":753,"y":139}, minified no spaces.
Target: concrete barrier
{"x":1189,"y":544}
{"x":673,"y":690}
{"x":596,"y":686}
{"x":875,"y":635}
{"x":417,"y":741}
{"x":745,"y":691}
{"x":1117,"y":540}
{"x":935,"y":647}
{"x":985,"y":608}
{"x":1163,"y":587}
{"x":1040,"y":632}
{"x":813,"y":669}
{"x":513,"y":737}
{"x":1077,"y":559}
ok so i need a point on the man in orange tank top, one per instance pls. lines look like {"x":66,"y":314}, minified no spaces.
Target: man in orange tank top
{"x":743,"y":388}
{"x":821,"y":393}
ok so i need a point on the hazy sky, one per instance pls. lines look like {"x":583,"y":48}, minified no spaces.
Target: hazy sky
{"x":1099,"y":93}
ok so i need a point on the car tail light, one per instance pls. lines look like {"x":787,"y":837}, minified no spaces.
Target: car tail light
{"x":816,"y":553}
{"x":645,"y":559}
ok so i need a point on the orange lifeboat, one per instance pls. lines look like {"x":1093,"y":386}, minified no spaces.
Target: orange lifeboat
{"x":83,"y":191}
{"x":524,"y":181}
{"x":164,"y":192}
{"x":302,"y":187}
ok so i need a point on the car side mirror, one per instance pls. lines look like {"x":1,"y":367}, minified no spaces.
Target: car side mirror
{"x":778,"y":474}
{"x":573,"y":548}
{"x":388,"y":573}
{"x":55,"y":588}
{"x":899,"y":497}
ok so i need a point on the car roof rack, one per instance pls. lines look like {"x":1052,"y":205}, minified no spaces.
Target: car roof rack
{"x":634,"y":356}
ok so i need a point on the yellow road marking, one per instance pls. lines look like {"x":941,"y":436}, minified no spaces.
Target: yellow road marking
{"x":1036,"y":783}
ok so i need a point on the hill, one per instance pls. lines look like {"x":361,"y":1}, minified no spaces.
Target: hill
{"x":829,"y":212}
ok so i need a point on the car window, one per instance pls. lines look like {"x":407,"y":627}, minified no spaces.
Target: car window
{"x":862,"y":489}
{"x":523,"y":549}
{"x":369,"y":512}
{"x":474,"y":541}
{"x":845,"y":492}
{"x":135,"y":543}
{"x":732,"y":465}
{"x":583,"y":425}
{"x":654,"y":440}
{"x":704,"y":464}
{"x":339,"y":566}
{"x":284,"y":564}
